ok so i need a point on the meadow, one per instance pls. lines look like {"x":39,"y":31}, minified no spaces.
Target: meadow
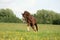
{"x":18,"y":31}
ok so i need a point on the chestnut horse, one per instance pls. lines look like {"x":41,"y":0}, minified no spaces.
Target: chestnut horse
{"x":31,"y":21}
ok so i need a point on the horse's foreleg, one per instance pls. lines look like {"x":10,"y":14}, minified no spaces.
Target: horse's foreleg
{"x":28,"y":29}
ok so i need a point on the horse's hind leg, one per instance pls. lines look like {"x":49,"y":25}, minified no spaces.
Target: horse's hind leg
{"x":36,"y":26}
{"x":32,"y":26}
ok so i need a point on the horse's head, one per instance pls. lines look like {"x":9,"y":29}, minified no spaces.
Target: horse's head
{"x":26,"y":14}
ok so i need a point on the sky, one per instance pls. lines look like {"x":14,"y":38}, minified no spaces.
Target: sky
{"x":19,"y":6}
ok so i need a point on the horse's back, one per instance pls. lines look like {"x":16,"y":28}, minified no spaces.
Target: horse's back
{"x":32,"y":19}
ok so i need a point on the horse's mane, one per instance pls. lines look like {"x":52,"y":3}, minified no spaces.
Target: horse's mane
{"x":26,"y":13}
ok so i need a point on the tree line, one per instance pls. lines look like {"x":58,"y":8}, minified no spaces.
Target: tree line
{"x":47,"y":17}
{"x":42,"y":16}
{"x":8,"y":16}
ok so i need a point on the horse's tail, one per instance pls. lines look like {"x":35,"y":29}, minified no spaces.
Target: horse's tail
{"x":36,"y":26}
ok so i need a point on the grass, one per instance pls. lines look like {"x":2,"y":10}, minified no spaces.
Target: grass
{"x":17,"y":31}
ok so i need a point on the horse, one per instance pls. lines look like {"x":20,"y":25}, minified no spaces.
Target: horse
{"x":31,"y":21}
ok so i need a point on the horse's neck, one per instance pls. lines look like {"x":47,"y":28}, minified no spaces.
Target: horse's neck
{"x":29,"y":18}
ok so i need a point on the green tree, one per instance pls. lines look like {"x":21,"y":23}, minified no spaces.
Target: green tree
{"x":47,"y":16}
{"x":7,"y":15}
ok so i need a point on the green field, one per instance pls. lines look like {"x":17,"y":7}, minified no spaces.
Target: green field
{"x":17,"y":31}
